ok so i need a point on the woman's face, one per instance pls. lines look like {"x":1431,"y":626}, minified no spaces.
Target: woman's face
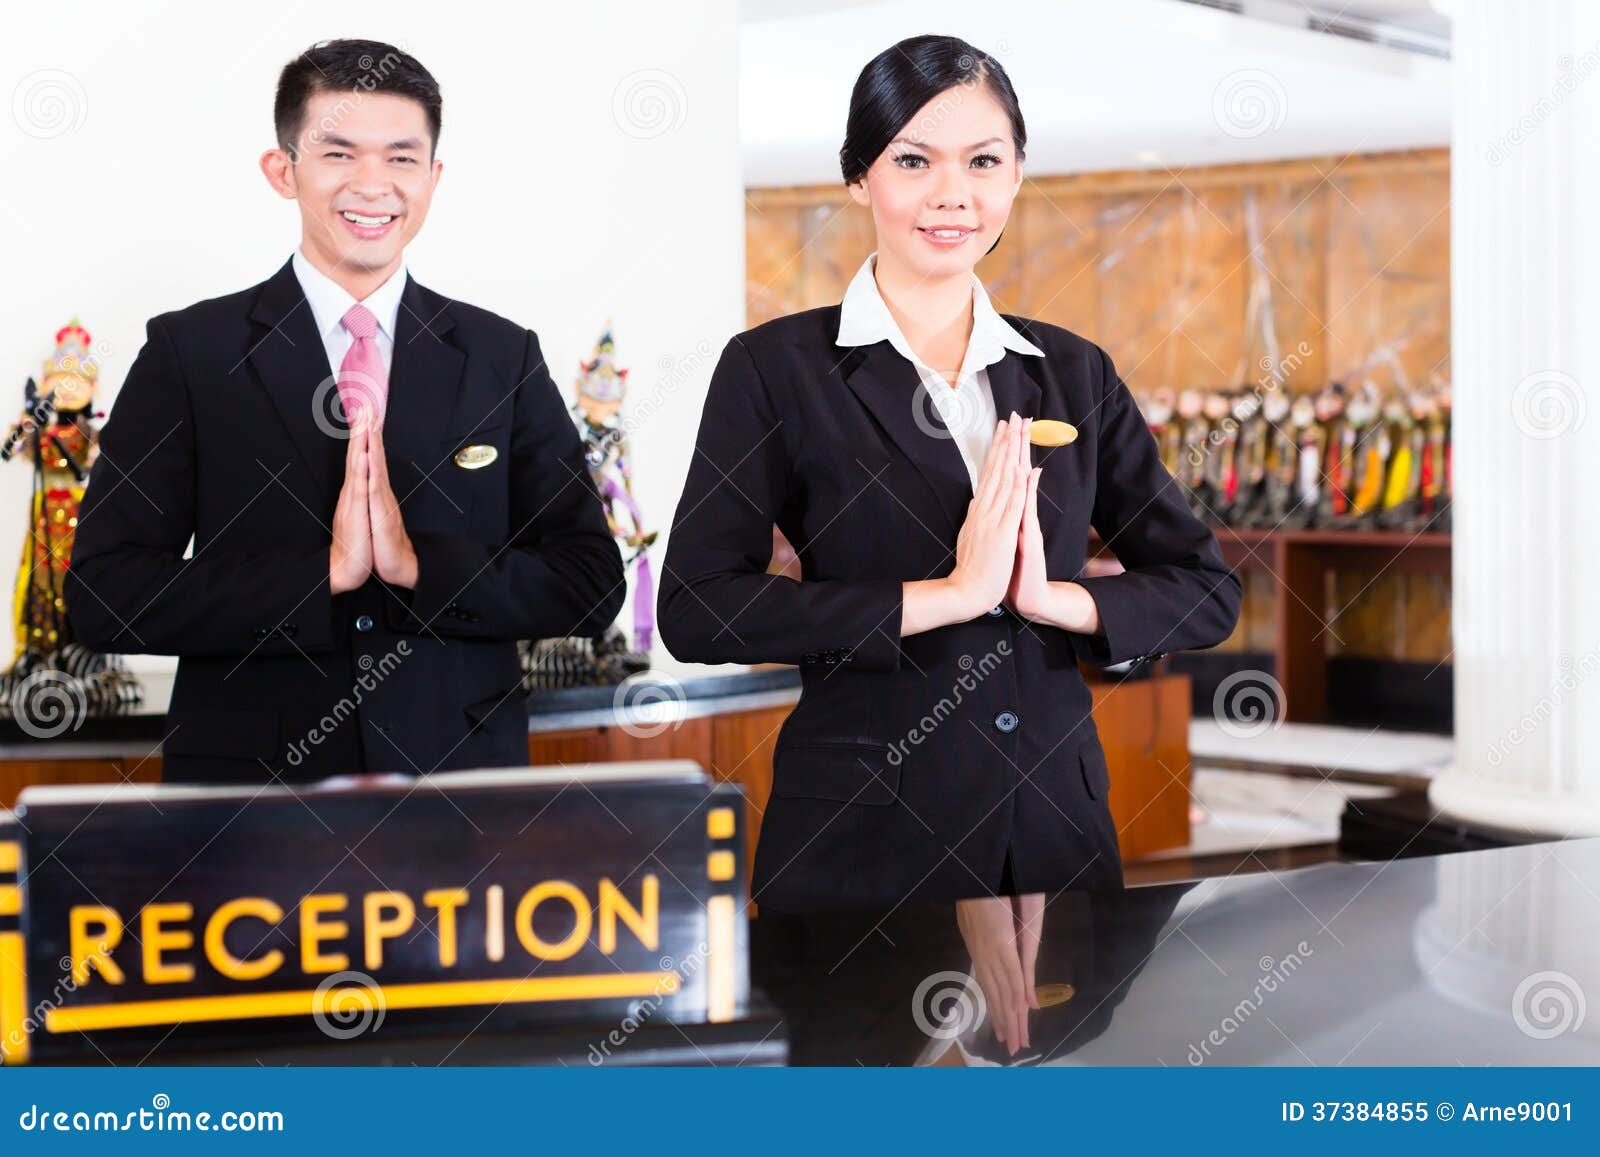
{"x":941,"y":192}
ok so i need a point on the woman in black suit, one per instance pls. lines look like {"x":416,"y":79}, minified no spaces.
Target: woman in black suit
{"x":942,"y":746}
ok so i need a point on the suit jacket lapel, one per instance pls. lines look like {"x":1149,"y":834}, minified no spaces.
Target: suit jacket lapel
{"x":424,"y":379}
{"x":1012,"y":383}
{"x":888,"y":385}
{"x":291,"y":362}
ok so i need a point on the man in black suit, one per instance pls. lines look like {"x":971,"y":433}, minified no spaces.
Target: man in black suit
{"x":383,"y":486}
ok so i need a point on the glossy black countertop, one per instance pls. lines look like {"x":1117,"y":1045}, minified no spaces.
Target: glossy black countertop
{"x":1474,"y":958}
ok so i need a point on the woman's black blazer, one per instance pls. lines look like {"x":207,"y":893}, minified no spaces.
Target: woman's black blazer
{"x":910,"y":766}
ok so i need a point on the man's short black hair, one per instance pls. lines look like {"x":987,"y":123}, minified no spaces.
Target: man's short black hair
{"x":353,"y":66}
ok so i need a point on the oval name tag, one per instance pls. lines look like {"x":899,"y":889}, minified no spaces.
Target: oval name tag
{"x":476,"y":457}
{"x":1050,"y":432}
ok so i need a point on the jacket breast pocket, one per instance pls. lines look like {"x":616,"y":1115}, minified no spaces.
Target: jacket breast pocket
{"x":845,"y":771}
{"x":472,"y":472}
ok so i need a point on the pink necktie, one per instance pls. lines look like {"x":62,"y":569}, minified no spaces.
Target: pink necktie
{"x":363,"y":382}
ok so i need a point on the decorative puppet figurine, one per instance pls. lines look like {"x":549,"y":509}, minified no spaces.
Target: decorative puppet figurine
{"x":1310,"y":440}
{"x":54,"y":682}
{"x":1159,"y":409}
{"x":600,"y":389}
{"x":1221,"y":440}
{"x":1338,"y":455}
{"x":1368,"y":452}
{"x":1193,"y":440}
{"x":1282,"y":457}
{"x":1402,"y":491}
{"x":1437,"y":474}
{"x":1255,"y":445}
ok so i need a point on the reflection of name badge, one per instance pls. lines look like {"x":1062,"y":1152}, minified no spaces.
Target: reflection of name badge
{"x":476,"y":457}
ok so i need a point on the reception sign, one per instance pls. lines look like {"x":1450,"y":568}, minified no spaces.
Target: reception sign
{"x":470,"y":901}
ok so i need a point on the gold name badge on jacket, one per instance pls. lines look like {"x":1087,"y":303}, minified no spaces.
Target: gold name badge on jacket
{"x":1049,"y":432}
{"x":475,"y":457}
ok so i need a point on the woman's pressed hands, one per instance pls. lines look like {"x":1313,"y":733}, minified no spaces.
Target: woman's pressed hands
{"x":1032,"y":594}
{"x":1029,"y":594}
{"x":986,"y":547}
{"x":1000,"y":555}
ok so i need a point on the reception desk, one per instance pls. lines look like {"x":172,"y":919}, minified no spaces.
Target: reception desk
{"x":726,"y":719}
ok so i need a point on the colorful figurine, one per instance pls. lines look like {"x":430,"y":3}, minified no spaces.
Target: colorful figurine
{"x":56,"y":435}
{"x":601,"y":387}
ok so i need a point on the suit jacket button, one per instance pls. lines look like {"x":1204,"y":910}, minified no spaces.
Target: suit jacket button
{"x":1006,"y":721}
{"x":363,"y":622}
{"x":998,"y":611}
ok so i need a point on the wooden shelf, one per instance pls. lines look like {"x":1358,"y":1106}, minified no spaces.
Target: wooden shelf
{"x":1299,"y":561}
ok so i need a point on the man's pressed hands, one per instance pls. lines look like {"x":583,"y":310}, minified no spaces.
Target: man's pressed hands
{"x":350,"y":560}
{"x":369,"y":535}
{"x":392,"y":554}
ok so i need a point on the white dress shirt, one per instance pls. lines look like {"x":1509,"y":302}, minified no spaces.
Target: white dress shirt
{"x":330,"y":301}
{"x":967,"y":410}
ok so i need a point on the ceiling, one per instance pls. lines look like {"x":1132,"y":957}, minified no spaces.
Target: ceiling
{"x":1111,"y":84}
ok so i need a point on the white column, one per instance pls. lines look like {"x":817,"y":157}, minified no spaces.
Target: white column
{"x":1525,"y":278}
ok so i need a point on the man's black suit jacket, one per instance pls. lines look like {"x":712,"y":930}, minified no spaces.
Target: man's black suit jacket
{"x":226,"y":430}
{"x":911,"y":766}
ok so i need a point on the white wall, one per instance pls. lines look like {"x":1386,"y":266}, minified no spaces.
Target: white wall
{"x":608,"y":130}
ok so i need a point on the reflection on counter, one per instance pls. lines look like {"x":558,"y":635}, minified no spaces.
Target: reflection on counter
{"x":1476,"y":958}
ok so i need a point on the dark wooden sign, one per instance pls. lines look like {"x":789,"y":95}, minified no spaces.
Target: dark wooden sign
{"x":471,"y":901}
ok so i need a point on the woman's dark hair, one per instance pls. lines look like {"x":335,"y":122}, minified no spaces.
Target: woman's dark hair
{"x":357,"y":66}
{"x":897,"y":82}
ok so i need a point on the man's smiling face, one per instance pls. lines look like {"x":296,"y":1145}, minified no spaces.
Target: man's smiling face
{"x":363,"y":173}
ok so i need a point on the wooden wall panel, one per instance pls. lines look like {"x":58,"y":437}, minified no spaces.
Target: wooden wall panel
{"x":1056,"y":257}
{"x":1389,"y":277}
